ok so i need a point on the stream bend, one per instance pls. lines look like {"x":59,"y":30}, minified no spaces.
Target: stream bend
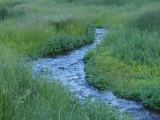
{"x":69,"y":69}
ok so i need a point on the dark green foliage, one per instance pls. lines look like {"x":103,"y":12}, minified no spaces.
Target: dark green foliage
{"x":148,"y":20}
{"x":97,"y":2}
{"x":93,"y":76}
{"x":88,"y":56}
{"x":8,"y":11}
{"x":90,"y":33}
{"x":132,"y":95}
{"x":103,"y":2}
{"x":3,"y":13}
{"x":22,"y":97}
{"x":128,"y":59}
{"x":63,"y":43}
{"x":25,"y":97}
{"x":151,"y":97}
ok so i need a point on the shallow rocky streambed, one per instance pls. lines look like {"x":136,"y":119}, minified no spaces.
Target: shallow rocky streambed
{"x":69,"y":69}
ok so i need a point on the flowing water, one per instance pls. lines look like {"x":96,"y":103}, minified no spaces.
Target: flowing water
{"x":69,"y":69}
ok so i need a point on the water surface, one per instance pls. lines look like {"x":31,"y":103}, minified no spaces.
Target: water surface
{"x":69,"y":69}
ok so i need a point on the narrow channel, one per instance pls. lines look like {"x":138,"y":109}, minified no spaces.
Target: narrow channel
{"x":69,"y":69}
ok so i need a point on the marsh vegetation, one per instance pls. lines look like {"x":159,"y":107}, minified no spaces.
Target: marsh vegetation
{"x":127,"y":61}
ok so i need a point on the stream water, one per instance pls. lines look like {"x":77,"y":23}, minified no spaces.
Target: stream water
{"x":69,"y":69}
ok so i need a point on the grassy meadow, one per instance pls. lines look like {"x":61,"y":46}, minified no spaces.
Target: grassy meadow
{"x":126,"y":62}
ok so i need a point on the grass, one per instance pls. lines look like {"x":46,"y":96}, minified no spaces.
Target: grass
{"x":150,"y":18}
{"x":23,"y":97}
{"x":39,"y":30}
{"x":30,"y":28}
{"x":30,"y":32}
{"x":102,"y":2}
{"x":127,"y":61}
{"x":9,"y":10}
{"x":138,"y":48}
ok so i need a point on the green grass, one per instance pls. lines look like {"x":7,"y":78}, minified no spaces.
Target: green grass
{"x":64,"y":42}
{"x":128,"y":60}
{"x":135,"y":47}
{"x":37,"y":28}
{"x":147,"y":20}
{"x":9,"y":10}
{"x":23,"y":97}
{"x":104,"y":2}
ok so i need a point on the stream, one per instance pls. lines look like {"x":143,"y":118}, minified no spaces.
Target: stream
{"x":69,"y":69}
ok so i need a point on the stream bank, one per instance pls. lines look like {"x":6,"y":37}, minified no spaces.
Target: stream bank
{"x":69,"y":69}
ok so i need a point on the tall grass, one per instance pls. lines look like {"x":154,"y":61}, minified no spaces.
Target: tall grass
{"x":128,"y":59}
{"x":8,"y":10}
{"x":139,"y":48}
{"x":148,"y":20}
{"x":30,"y":37}
{"x":23,"y":97}
{"x":35,"y":34}
{"x":37,"y":28}
{"x":140,"y":45}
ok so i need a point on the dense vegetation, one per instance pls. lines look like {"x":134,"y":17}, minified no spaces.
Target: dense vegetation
{"x":23,"y":97}
{"x":31,"y":28}
{"x":128,"y":60}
